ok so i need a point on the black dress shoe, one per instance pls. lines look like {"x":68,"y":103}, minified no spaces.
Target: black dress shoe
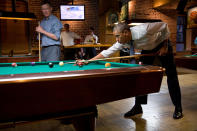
{"x":134,"y":111}
{"x":177,"y":113}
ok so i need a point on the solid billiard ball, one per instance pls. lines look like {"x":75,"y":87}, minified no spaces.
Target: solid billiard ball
{"x":33,"y":63}
{"x":107,"y":65}
{"x":80,"y":64}
{"x":140,"y":63}
{"x":61,"y":63}
{"x":14,"y":65}
{"x":51,"y":65}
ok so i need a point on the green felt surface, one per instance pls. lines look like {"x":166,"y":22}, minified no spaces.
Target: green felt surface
{"x":190,"y":55}
{"x":40,"y":67}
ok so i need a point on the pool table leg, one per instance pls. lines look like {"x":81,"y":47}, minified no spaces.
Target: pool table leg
{"x":85,"y":123}
{"x":82,"y":119}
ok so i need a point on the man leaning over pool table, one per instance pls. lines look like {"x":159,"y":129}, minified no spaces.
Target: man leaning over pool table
{"x":151,"y":38}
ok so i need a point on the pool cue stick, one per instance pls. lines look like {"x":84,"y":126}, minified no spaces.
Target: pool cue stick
{"x":113,"y":58}
{"x":39,"y":44}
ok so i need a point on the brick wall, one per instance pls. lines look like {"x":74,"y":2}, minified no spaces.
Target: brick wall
{"x":80,"y":27}
{"x":143,"y":9}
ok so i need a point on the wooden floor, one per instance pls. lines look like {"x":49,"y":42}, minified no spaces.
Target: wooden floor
{"x":157,"y":114}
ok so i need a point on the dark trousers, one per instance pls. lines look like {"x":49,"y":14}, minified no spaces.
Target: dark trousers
{"x":50,"y":53}
{"x":167,"y":62}
{"x":69,"y":53}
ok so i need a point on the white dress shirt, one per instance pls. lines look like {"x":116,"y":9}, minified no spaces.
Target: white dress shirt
{"x":145,"y":37}
{"x":149,"y":35}
{"x":111,"y":50}
{"x":89,"y":38}
{"x":67,"y":38}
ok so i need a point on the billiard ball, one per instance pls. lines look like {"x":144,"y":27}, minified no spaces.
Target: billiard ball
{"x":51,"y":65}
{"x":107,"y":65}
{"x":14,"y":65}
{"x":61,"y":63}
{"x":80,"y":64}
{"x":33,"y":63}
{"x":140,"y":63}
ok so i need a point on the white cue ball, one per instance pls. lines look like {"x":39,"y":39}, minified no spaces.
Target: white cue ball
{"x":61,"y":63}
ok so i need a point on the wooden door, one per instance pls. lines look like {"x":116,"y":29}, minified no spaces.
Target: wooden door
{"x":13,"y":33}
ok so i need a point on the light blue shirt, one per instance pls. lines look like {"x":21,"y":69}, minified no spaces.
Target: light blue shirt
{"x":51,"y":25}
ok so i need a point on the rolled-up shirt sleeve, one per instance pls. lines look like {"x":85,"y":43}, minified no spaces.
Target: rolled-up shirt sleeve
{"x":113,"y":49}
{"x":57,"y":29}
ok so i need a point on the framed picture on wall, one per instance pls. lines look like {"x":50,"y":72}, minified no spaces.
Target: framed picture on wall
{"x":124,"y":12}
{"x":192,"y":17}
{"x":112,"y":17}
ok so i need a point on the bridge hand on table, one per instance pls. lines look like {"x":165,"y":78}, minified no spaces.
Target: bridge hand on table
{"x":81,"y":62}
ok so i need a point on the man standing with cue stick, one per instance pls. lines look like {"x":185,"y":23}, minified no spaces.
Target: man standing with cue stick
{"x":49,"y":34}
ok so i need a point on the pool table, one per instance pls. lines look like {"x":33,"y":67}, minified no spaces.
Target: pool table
{"x":29,"y":92}
{"x":187,"y":61}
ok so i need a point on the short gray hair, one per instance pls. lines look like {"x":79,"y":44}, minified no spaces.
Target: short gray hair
{"x":120,"y":27}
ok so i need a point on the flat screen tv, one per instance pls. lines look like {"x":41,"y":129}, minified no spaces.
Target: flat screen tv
{"x":72,"y":12}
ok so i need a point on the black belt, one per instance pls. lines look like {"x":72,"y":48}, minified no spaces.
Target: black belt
{"x":49,"y":46}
